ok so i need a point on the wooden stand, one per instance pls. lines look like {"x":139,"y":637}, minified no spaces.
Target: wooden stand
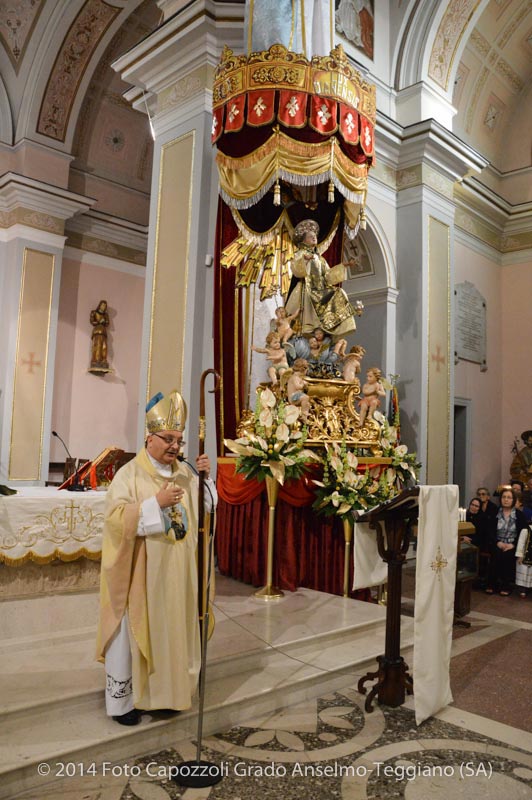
{"x":392,"y":677}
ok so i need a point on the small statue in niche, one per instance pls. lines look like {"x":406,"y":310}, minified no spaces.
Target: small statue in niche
{"x":296,"y":385}
{"x":275,"y":354}
{"x":372,"y":391}
{"x":351,"y":365}
{"x":99,"y":319}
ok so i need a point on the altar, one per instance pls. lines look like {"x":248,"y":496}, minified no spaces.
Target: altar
{"x":309,"y":549}
{"x":42,"y":524}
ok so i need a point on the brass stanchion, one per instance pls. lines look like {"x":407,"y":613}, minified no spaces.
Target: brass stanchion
{"x":270,"y":592}
{"x":347,"y":522}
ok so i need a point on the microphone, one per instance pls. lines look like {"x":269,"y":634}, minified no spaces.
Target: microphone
{"x":75,"y":486}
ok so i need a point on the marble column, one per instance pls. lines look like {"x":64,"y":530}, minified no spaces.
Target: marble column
{"x":172,"y":73}
{"x":32,"y":218}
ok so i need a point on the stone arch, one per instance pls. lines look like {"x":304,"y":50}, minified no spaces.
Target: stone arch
{"x":40,"y":118}
{"x":431,"y":41}
{"x":6,"y":118}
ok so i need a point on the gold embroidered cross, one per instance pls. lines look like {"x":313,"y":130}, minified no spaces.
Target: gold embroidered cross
{"x":439,"y":563}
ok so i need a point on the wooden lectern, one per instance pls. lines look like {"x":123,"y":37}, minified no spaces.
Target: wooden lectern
{"x":396,"y":517}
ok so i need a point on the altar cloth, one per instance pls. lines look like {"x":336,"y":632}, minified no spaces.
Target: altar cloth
{"x":42,"y":524}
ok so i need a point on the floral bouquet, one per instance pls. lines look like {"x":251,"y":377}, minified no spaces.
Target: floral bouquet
{"x":276,"y":448}
{"x":404,"y":469}
{"x":344,"y":490}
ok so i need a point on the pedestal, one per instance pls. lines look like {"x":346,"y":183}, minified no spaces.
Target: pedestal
{"x":270,"y":592}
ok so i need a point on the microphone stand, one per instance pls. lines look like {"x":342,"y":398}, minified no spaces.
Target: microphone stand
{"x":75,"y":486}
{"x":199,"y":773}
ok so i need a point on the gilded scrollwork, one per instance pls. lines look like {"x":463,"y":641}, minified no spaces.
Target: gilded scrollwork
{"x":332,"y":416}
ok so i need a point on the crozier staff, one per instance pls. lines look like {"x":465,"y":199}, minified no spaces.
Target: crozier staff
{"x":148,"y":635}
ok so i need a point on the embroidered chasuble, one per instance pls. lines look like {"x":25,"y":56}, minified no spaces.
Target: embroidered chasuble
{"x":155,"y":578}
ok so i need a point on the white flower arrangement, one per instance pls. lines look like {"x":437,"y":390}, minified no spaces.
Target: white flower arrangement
{"x":276,"y":447}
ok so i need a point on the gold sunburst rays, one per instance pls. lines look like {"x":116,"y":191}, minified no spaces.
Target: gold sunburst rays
{"x":253,"y":259}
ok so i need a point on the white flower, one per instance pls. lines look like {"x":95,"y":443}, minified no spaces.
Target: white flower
{"x":385,"y":444}
{"x":379,"y":416}
{"x":267,"y":398}
{"x":291,"y":414}
{"x":352,"y":460}
{"x":282,"y":433}
{"x":336,"y":464}
{"x":266,"y":418}
{"x":350,"y":477}
{"x":392,"y":434}
{"x":401,"y":450}
{"x":390,"y":475}
{"x":336,"y":499}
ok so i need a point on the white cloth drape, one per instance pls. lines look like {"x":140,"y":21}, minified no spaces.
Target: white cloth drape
{"x":370,"y":569}
{"x":434,"y":599}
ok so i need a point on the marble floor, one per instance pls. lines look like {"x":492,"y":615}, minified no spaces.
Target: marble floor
{"x":329,"y":747}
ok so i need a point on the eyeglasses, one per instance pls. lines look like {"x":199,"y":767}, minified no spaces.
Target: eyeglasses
{"x":169,"y":440}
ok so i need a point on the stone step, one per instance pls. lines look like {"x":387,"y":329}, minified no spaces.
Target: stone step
{"x":260,"y":659}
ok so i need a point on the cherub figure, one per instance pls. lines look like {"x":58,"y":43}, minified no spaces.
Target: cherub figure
{"x":315,"y":348}
{"x":281,"y":323}
{"x":296,"y":385}
{"x":351,"y":365}
{"x":274,"y":353}
{"x":372,"y":392}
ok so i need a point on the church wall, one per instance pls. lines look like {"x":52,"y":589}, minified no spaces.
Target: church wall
{"x":516,"y":291}
{"x":483,"y":389}
{"x":92,"y":412}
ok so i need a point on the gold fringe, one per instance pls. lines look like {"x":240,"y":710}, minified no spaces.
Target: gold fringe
{"x":57,"y":555}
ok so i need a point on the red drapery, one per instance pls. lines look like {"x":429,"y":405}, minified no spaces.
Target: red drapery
{"x":309,"y":549}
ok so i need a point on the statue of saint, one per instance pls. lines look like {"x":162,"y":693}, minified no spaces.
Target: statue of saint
{"x":99,"y":320}
{"x":316,"y":296}
{"x":521,"y":466}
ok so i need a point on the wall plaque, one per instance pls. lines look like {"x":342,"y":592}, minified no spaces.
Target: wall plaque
{"x":470,"y":325}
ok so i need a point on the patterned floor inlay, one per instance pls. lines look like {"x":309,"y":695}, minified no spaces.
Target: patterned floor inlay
{"x":329,"y":748}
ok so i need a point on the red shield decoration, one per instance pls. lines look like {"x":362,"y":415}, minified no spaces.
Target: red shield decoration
{"x":261,"y":107}
{"x":234,"y":113}
{"x":217,"y":123}
{"x":349,"y":121}
{"x":323,"y":114}
{"x":366,"y":136}
{"x":292,"y":108}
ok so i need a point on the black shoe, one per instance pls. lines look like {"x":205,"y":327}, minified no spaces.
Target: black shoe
{"x":130,"y":718}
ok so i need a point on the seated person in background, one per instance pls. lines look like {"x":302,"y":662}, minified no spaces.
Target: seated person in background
{"x":481,"y":537}
{"x":519,"y":504}
{"x":509,"y":523}
{"x":473,"y":516}
{"x":487,"y":507}
{"x":523,"y":569}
